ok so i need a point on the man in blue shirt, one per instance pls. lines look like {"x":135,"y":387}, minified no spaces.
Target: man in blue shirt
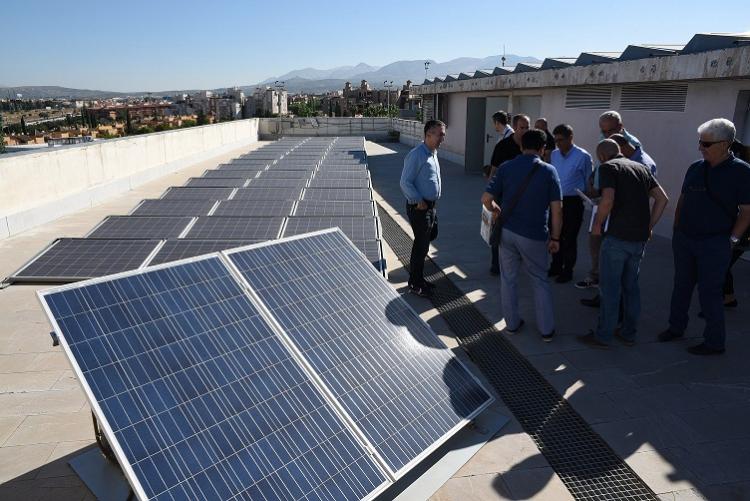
{"x":529,"y":189}
{"x":421,"y":185}
{"x":573,"y":165}
{"x":712,"y":213}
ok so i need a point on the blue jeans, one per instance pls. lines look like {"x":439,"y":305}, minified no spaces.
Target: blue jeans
{"x":619,"y":266}
{"x":703,"y":262}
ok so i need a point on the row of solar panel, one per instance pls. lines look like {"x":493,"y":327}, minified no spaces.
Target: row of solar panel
{"x":289,"y":370}
{"x":273,"y":205}
{"x":73,"y":259}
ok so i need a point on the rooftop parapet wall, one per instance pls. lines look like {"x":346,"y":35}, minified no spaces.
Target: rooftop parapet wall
{"x":711,"y":65}
{"x":40,"y":186}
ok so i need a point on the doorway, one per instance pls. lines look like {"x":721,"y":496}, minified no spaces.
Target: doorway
{"x":481,"y":137}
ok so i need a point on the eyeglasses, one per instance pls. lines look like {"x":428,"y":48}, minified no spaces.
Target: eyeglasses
{"x":708,"y":144}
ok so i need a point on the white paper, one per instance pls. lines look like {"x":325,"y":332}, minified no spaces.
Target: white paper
{"x":593,"y":216}
{"x":486,"y":228}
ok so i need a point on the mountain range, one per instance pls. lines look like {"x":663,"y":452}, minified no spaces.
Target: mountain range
{"x":310,"y":80}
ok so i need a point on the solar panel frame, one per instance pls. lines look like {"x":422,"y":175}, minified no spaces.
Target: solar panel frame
{"x":298,"y":225}
{"x":251,"y":193}
{"x":354,"y":208}
{"x":49,"y":251}
{"x":339,"y":183}
{"x":285,"y":174}
{"x":107,"y":427}
{"x":218,"y":174}
{"x":260,"y":182}
{"x":183,"y":193}
{"x":438,"y":343}
{"x":170,"y":250}
{"x":341,"y":194}
{"x":216,"y":182}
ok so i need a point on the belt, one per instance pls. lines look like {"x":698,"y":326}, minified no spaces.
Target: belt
{"x":430,"y":204}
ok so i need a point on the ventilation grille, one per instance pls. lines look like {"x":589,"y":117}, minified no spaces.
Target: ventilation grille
{"x":654,"y":97}
{"x":591,"y":98}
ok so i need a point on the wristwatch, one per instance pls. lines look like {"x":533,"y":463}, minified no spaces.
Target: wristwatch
{"x":734,"y":240}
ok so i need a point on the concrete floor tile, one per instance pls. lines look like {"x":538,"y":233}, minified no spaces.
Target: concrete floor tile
{"x":686,"y":495}
{"x":659,"y":471}
{"x":41,"y":402}
{"x":14,"y":382}
{"x":473,"y":488}
{"x":67,"y":381}
{"x":16,"y":362}
{"x":51,"y":361}
{"x":649,"y":433}
{"x":69,"y":488}
{"x":57,"y":464}
{"x":8,"y":426}
{"x":539,"y":484}
{"x":53,"y":428}
{"x":21,"y":462}
{"x":727,"y":492}
{"x":646,"y":401}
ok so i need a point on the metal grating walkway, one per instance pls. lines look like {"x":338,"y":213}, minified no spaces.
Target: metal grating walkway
{"x":585,"y":463}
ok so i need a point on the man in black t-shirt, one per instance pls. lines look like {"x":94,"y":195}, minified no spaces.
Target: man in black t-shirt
{"x":626,"y":220}
{"x":507,"y":149}
{"x":541,"y":124}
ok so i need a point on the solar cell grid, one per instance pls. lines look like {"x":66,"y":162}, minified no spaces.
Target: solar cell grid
{"x":183,"y":193}
{"x":201,"y":399}
{"x":229,"y":173}
{"x":254,"y":208}
{"x":268,"y":193}
{"x":277,"y":183}
{"x":139,"y":227}
{"x":337,"y":194}
{"x":334,"y":208}
{"x":221,"y":182}
{"x":285,"y":174}
{"x":174,"y":250}
{"x":235,"y":228}
{"x":393,"y":376}
{"x":71,"y":259}
{"x":160,"y":207}
{"x":339,"y":183}
{"x":338,"y":174}
{"x":356,"y":228}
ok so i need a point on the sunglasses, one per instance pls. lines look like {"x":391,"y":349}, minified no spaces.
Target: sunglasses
{"x":708,"y":144}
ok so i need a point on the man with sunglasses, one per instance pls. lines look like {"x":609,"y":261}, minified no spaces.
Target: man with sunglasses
{"x":712,"y":213}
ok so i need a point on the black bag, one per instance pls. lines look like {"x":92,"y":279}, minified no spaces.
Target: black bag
{"x":496,"y":232}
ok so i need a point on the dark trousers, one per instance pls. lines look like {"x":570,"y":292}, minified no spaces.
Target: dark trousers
{"x":729,"y":280}
{"x":421,"y":222}
{"x":564,"y":261}
{"x":495,"y":253}
{"x":702,"y":262}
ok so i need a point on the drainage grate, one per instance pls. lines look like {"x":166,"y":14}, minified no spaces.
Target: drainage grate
{"x":586,"y":464}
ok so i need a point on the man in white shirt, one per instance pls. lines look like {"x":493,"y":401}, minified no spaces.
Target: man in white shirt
{"x":500,"y":121}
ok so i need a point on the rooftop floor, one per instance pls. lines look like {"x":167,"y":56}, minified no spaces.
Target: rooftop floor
{"x":679,"y":421}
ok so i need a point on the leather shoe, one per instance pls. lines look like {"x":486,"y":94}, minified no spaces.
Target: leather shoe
{"x":668,"y":335}
{"x":623,"y":339}
{"x":592,"y":303}
{"x":590,"y":340}
{"x":703,"y":349}
{"x":520,"y":325}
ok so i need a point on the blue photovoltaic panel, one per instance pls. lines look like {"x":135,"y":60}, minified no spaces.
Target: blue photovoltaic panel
{"x":337,"y":194}
{"x":285,"y":174}
{"x":339,"y":183}
{"x":213,"y":174}
{"x":160,"y":207}
{"x":254,"y":208}
{"x":174,"y":250}
{"x":251,"y":193}
{"x":140,"y":227}
{"x":402,"y":387}
{"x":213,"y":182}
{"x":235,"y":228}
{"x":183,"y":193}
{"x":201,"y":397}
{"x":356,"y":228}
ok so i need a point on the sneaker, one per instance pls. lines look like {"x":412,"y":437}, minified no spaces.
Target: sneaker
{"x":513,"y":331}
{"x":587,"y":283}
{"x":548,"y":337}
{"x":594,"y":302}
{"x":591,"y":341}
{"x":703,"y":349}
{"x":419,"y":290}
{"x":668,"y":335}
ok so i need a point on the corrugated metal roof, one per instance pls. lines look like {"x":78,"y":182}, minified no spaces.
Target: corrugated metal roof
{"x":557,"y":62}
{"x":642,"y":51}
{"x":524,"y":67}
{"x":714,"y":41}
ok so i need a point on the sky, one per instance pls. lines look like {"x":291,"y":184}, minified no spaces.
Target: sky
{"x":160,"y":45}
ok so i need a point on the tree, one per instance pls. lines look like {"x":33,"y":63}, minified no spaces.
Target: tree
{"x":23,"y":125}
{"x":2,"y":135}
{"x":128,"y":125}
{"x":202,"y":119}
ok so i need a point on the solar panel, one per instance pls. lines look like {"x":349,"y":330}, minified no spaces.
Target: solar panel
{"x":71,"y":259}
{"x":161,"y":207}
{"x":183,"y":193}
{"x":373,"y":251}
{"x":356,"y":228}
{"x":394,"y":378}
{"x":339,"y":183}
{"x":213,"y":174}
{"x":285,"y":174}
{"x":221,"y":182}
{"x":334,"y":208}
{"x":235,"y":228}
{"x":337,"y":194}
{"x":351,"y":174}
{"x":277,"y":183}
{"x":140,"y":227}
{"x":199,"y":397}
{"x":254,"y":208}
{"x":268,"y":194}
{"x":174,"y":250}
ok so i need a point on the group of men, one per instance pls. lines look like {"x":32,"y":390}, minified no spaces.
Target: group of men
{"x":538,"y":192}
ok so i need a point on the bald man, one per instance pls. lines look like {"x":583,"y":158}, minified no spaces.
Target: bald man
{"x":627,"y":188}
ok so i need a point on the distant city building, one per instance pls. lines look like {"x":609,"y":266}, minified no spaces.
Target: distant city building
{"x":267,"y":101}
